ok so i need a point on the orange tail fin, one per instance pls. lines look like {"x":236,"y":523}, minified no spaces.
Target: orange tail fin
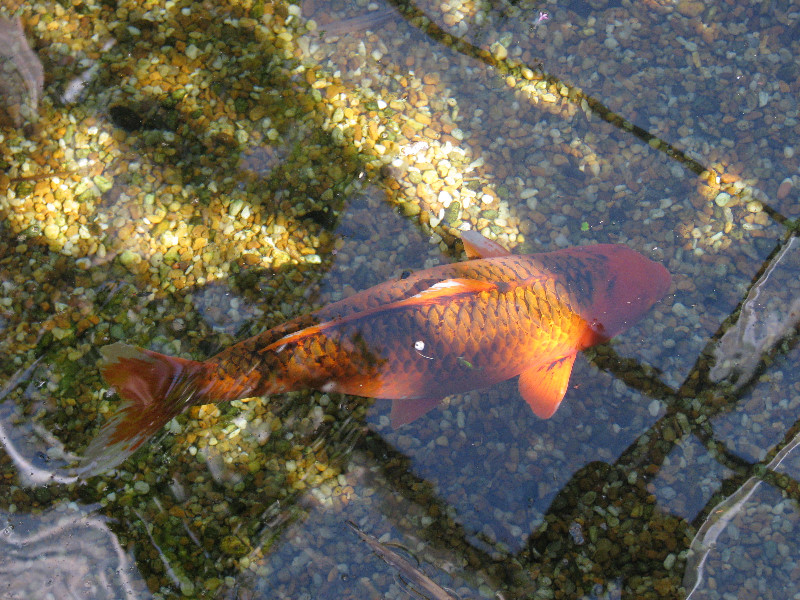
{"x":154,"y":388}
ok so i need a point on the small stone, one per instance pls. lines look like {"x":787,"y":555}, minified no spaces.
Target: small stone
{"x":258,"y":112}
{"x":60,"y":333}
{"x":51,"y":231}
{"x":103,"y":183}
{"x":784,"y":188}
{"x":654,"y":408}
{"x":722,"y":199}
{"x":754,"y":206}
{"x":410,"y":209}
{"x":141,"y":487}
{"x":452,"y":212}
{"x":187,"y":588}
{"x":233,"y":546}
{"x":499,"y":51}
{"x":429,"y":176}
{"x":680,"y":310}
{"x":129,"y":258}
{"x":690,"y":8}
{"x":235,"y":208}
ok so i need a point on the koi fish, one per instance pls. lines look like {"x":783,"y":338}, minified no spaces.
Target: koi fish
{"x":440,"y":331}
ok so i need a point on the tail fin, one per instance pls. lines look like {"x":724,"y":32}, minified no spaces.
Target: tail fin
{"x":154,"y":388}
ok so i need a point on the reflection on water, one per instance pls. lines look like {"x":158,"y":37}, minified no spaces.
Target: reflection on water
{"x":64,"y":552}
{"x":752,"y":531}
{"x":228,"y":166}
{"x":22,"y":75}
{"x":770,"y":310}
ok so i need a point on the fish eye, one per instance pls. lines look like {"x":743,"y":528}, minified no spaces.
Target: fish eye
{"x":405,"y":274}
{"x":419,"y":345}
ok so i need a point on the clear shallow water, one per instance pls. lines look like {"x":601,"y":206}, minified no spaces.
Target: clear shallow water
{"x":221,"y":174}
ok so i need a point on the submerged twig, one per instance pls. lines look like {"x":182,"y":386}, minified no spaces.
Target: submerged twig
{"x":409,"y":571}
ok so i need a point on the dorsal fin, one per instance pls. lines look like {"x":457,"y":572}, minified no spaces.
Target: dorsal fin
{"x":478,"y":246}
{"x":442,"y":291}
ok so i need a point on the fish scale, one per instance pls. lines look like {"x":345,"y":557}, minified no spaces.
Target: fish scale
{"x":414,"y":340}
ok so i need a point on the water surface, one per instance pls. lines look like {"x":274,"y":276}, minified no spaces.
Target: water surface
{"x":192,"y":173}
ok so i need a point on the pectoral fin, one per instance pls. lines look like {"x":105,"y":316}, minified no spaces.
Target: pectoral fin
{"x":406,"y":411}
{"x":543,"y":387}
{"x":478,"y":246}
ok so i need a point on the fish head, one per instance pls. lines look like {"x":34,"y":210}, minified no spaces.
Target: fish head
{"x":625,"y":285}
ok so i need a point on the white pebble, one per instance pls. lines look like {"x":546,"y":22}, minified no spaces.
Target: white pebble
{"x":722,"y":199}
{"x":654,"y":408}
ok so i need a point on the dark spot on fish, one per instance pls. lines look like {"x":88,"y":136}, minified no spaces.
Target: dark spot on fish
{"x":612,"y":282}
{"x":125,"y":118}
{"x":502,"y":286}
{"x":405,"y":274}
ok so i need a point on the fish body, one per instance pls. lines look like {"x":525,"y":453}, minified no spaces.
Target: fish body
{"x":440,"y":331}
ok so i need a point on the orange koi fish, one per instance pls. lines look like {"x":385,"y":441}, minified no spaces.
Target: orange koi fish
{"x":440,"y":331}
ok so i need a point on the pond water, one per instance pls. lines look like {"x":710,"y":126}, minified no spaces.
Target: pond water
{"x":180,"y":175}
